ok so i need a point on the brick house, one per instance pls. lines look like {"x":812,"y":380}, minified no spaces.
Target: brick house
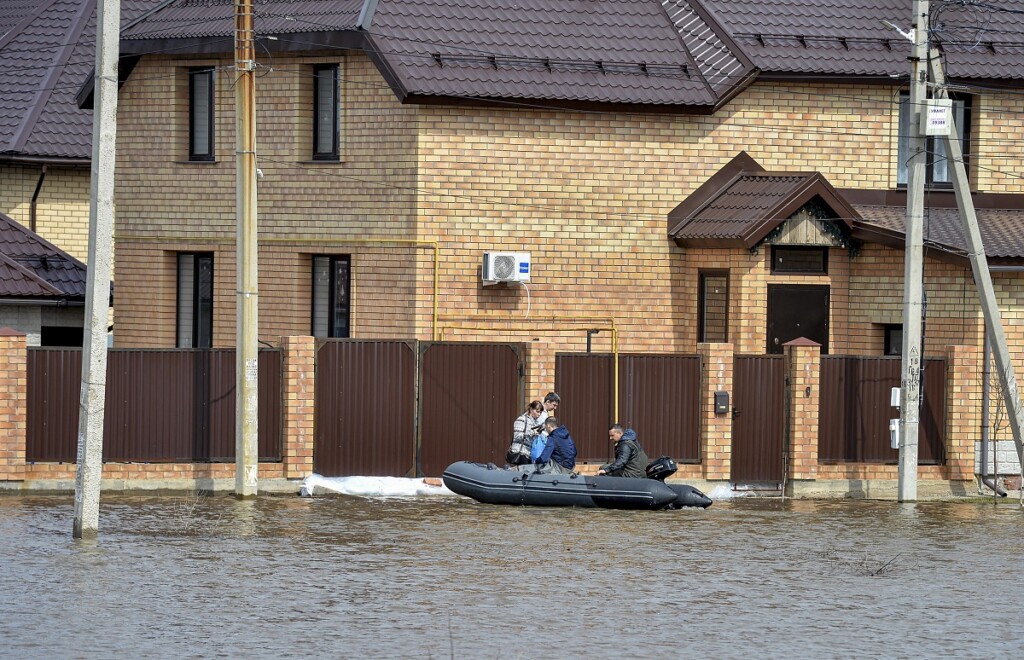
{"x":585,"y":153}
{"x":47,"y":47}
{"x":690,"y":171}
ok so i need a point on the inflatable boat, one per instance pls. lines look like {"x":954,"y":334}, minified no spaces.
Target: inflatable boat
{"x":493,"y":485}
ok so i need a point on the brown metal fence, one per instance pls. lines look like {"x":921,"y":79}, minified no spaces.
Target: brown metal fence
{"x":161,"y":405}
{"x":758,"y":418}
{"x":659,"y":397}
{"x":470,"y":395}
{"x":365,"y":408}
{"x":855,"y":410}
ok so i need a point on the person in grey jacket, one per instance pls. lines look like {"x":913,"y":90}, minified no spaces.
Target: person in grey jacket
{"x":524,"y":430}
{"x":630,"y":458}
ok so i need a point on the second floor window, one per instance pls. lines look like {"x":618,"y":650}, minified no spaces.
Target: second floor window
{"x":200,"y":114}
{"x":331,"y":287}
{"x":939,"y":170}
{"x":325,"y":112}
{"x":195,"y":300}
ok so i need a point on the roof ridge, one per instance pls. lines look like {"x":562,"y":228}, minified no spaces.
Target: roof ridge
{"x":53,"y":249}
{"x":46,"y":88}
{"x":725,"y":88}
{"x":146,"y":14}
{"x":25,"y":22}
{"x":30,"y":276}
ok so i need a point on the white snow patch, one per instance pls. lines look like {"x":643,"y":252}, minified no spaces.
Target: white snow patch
{"x":371,"y":486}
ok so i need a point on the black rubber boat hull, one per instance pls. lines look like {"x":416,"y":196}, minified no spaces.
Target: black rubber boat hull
{"x":492,"y":485}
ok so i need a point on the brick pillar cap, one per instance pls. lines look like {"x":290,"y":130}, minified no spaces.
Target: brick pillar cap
{"x":802,"y":341}
{"x":11,"y":332}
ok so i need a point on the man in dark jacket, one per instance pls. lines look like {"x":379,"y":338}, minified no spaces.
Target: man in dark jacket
{"x":630,"y":458}
{"x":560,"y":451}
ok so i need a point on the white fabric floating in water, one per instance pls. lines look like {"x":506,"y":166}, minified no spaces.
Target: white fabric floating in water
{"x":371,"y":486}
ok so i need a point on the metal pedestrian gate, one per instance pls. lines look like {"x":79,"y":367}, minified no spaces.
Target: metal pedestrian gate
{"x":758,"y":419}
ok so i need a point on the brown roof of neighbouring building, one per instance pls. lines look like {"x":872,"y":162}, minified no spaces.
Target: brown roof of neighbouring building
{"x":46,"y":50}
{"x":32,"y":267}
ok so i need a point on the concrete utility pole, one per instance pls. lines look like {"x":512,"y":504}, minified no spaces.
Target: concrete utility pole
{"x":247,"y":319}
{"x":913,"y":272}
{"x":89,"y":468}
{"x":979,"y":266}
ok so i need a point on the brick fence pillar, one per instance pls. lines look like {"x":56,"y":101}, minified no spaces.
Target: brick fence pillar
{"x":715,"y":429}
{"x":13,"y":404}
{"x":803,"y":370}
{"x":963,"y":408}
{"x":299,"y":405}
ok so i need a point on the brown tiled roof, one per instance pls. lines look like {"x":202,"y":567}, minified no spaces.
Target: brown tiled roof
{"x":1002,"y":230}
{"x":32,"y":266}
{"x":44,"y":57}
{"x":741,"y":203}
{"x":203,"y":19}
{"x":847,"y":37}
{"x":614,"y":51}
{"x":747,"y":204}
{"x":636,"y":52}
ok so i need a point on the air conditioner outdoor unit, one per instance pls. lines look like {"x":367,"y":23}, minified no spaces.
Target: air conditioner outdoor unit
{"x":505,"y":267}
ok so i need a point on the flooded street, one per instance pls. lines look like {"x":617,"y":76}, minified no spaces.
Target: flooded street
{"x":445,"y":577}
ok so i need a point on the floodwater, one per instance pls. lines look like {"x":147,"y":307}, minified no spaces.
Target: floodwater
{"x":441,"y":577}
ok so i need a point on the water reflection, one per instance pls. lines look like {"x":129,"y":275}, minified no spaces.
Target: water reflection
{"x":347,"y":577}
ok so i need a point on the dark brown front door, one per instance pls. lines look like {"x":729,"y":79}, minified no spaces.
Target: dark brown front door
{"x":797,"y":310}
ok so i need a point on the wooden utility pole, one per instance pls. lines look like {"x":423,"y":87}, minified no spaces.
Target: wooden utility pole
{"x":913,"y":272}
{"x":89,"y":468}
{"x":247,"y":319}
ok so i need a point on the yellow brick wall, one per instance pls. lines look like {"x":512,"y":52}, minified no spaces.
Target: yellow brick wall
{"x":62,"y":208}
{"x":362,"y":206}
{"x":587,"y":194}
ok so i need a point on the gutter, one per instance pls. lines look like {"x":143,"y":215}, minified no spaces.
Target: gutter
{"x":35,"y":198}
{"x":41,"y":302}
{"x":47,"y":160}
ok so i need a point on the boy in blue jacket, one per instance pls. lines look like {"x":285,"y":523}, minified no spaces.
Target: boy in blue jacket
{"x":560,"y":451}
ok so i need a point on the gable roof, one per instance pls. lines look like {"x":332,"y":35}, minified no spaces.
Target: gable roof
{"x":31,"y":266}
{"x":742,"y":203}
{"x":740,"y":206}
{"x":46,"y":50}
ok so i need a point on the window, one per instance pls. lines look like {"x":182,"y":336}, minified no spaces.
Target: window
{"x":200,"y":114}
{"x":893,"y":339}
{"x":195,"y":300}
{"x":331,"y":286}
{"x":939,"y":171}
{"x":799,"y":259}
{"x":713,"y":307}
{"x":325,"y":112}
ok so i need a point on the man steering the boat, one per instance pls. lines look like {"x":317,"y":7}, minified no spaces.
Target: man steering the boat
{"x":630,"y":458}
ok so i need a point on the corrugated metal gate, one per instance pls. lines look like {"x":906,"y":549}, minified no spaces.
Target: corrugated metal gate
{"x":365,"y":408}
{"x":758,"y":419}
{"x":470,"y":394}
{"x":855,"y":410}
{"x":161,"y":405}
{"x":659,"y":396}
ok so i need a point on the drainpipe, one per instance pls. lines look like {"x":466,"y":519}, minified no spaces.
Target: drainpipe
{"x":35,"y":197}
{"x":985,"y":393}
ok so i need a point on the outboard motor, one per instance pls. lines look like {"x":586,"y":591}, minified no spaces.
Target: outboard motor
{"x":661,"y":468}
